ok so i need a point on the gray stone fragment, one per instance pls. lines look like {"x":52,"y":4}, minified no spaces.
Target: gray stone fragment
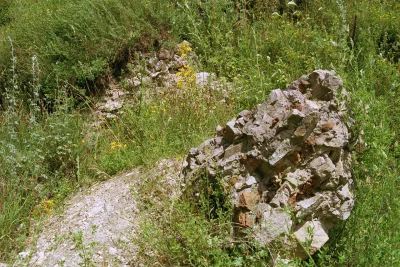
{"x":160,"y":66}
{"x":280,"y":152}
{"x":164,"y":54}
{"x":193,"y":152}
{"x":278,"y":223}
{"x":322,"y":167}
{"x":281,"y":198}
{"x":344,"y":193}
{"x":324,"y":85}
{"x":232,"y":150}
{"x":295,"y":116}
{"x":294,"y":96}
{"x":312,"y":106}
{"x":155,"y":75}
{"x":200,"y":159}
{"x":134,"y":82}
{"x":306,"y":207}
{"x":218,"y":152}
{"x":313,"y":236}
{"x":231,"y":132}
{"x":251,"y":180}
{"x":276,"y":95}
{"x":245,"y":114}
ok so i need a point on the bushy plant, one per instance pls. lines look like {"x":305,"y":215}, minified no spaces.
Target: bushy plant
{"x":37,"y":167}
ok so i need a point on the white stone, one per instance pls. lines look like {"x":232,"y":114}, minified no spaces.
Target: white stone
{"x":112,"y":251}
{"x":134,"y":82}
{"x":346,"y":208}
{"x":314,"y":232}
{"x":238,"y":186}
{"x":22,"y":255}
{"x":202,"y":78}
{"x":313,"y":106}
{"x":276,"y":95}
{"x":252,"y":180}
{"x":344,"y":193}
{"x":112,"y":105}
{"x":159,"y":66}
{"x":277,"y":221}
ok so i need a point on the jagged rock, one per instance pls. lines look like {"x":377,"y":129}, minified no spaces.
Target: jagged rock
{"x":164,"y":54}
{"x":286,"y":164}
{"x":177,"y":62}
{"x":313,"y":235}
{"x":134,"y":82}
{"x":113,"y":105}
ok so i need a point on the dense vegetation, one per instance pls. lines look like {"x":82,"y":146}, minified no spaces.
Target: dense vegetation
{"x":55,"y":56}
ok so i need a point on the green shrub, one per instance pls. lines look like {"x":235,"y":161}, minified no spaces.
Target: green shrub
{"x":37,"y":168}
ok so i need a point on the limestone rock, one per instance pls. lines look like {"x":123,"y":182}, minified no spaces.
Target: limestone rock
{"x":312,"y":236}
{"x":287,"y":165}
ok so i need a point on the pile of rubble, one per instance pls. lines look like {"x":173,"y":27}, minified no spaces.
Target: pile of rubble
{"x":286,"y":165}
{"x":159,"y":71}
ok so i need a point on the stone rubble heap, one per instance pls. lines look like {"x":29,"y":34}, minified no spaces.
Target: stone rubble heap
{"x":286,"y":165}
{"x":158,"y":71}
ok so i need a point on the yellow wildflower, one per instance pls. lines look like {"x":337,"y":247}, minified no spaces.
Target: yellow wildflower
{"x":45,"y":206}
{"x":116,"y":145}
{"x":184,"y":48}
{"x":187,"y":76}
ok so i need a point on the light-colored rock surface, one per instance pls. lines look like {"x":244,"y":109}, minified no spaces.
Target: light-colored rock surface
{"x":97,"y":224}
{"x":286,"y":165}
{"x":313,"y":235}
{"x":104,"y":214}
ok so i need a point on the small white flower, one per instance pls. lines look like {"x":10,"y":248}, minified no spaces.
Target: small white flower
{"x":275,"y":15}
{"x":291,"y":4}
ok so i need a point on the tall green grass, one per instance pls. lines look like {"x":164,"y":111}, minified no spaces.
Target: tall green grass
{"x":55,"y":51}
{"x":37,"y":164}
{"x":76,"y":42}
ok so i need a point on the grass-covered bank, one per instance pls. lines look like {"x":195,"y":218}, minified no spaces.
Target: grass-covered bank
{"x":75,"y":42}
{"x":64,"y":50}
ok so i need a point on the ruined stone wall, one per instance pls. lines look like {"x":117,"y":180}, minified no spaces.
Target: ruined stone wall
{"x":286,"y":165}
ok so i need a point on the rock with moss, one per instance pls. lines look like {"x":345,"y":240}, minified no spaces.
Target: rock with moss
{"x":286,"y":166}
